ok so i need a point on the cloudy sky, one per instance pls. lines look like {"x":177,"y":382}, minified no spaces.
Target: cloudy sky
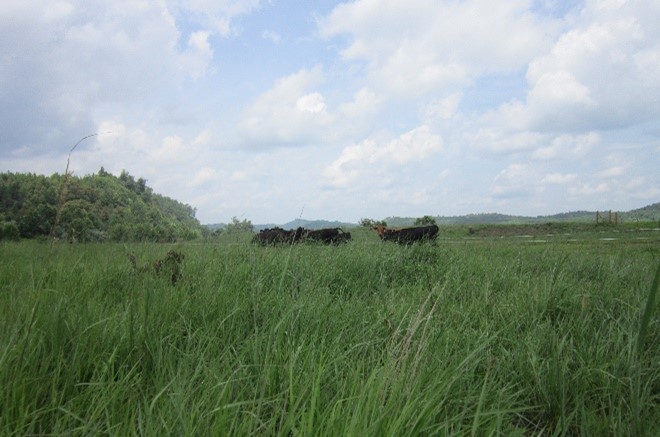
{"x":273,"y":110}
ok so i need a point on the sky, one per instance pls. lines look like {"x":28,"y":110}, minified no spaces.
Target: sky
{"x":275,"y":110}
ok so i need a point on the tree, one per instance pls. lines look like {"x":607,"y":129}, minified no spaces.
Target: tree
{"x":92,"y":208}
{"x":426,"y":220}
{"x":36,"y":220}
{"x":370,"y":223}
{"x":79,"y":222}
{"x":9,"y":231}
{"x":237,"y":225}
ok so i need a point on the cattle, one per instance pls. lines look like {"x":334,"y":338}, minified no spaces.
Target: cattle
{"x":407,"y":235}
{"x":278,"y":236}
{"x":327,"y":236}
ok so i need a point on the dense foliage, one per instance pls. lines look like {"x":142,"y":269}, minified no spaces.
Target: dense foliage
{"x":99,"y":207}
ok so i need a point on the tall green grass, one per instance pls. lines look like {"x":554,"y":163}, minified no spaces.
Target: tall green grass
{"x":471,"y":337}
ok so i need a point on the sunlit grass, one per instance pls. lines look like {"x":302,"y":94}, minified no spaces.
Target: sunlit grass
{"x":463,"y":337}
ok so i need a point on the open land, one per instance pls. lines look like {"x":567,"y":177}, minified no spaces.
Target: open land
{"x":536,"y":330}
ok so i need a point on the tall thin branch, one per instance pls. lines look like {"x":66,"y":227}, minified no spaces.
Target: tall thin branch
{"x":60,"y":200}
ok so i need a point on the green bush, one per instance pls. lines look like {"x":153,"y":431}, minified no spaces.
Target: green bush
{"x":9,"y":231}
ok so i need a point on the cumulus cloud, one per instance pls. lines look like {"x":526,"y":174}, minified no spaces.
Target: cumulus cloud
{"x":313,"y":102}
{"x":445,"y":108}
{"x":498,"y":141}
{"x":515,"y":181}
{"x":66,"y":63}
{"x":601,"y":74}
{"x":371,"y":156}
{"x":589,"y":189}
{"x":567,"y":146}
{"x":217,"y":15}
{"x":616,"y":165}
{"x":418,"y":46}
{"x":291,"y":113}
{"x":200,"y":54}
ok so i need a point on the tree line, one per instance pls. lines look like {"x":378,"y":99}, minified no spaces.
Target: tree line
{"x":97,"y":207}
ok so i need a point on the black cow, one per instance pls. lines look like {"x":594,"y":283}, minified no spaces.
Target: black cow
{"x":328,"y":236}
{"x":278,"y":236}
{"x":407,"y":235}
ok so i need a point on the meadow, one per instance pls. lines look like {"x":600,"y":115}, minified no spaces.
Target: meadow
{"x":479,"y":334}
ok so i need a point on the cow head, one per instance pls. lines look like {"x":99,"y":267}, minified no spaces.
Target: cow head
{"x":380,"y":229}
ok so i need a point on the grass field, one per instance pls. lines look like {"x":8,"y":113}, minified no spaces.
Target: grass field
{"x":483,"y":333}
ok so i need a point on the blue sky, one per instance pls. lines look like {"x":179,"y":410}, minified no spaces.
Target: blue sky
{"x":272,"y":110}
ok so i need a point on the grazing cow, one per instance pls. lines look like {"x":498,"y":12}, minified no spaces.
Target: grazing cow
{"x":278,"y":236}
{"x":343,"y":237}
{"x":328,"y":236}
{"x":407,"y":235}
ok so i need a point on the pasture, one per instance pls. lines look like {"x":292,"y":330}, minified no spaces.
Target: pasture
{"x":483,"y":333}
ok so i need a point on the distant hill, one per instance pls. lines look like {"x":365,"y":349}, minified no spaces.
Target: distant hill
{"x":316,"y":224}
{"x":293,"y":224}
{"x":647,"y":213}
{"x":215,"y":226}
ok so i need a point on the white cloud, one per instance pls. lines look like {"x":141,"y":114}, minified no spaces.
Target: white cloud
{"x":589,"y":189}
{"x":445,"y":108}
{"x":515,"y":181}
{"x":288,"y":114}
{"x":560,"y":88}
{"x":617,"y":170}
{"x":204,"y":175}
{"x":420,"y":46}
{"x":649,"y":193}
{"x":356,"y":116}
{"x":313,"y":102}
{"x":67,"y":64}
{"x":203,"y":139}
{"x":271,"y":36}
{"x":513,"y":173}
{"x":217,"y":15}
{"x":200,"y":54}
{"x":498,"y":141}
{"x":601,"y":74}
{"x":559,"y":178}
{"x":617,"y":164}
{"x":567,"y":146}
{"x":371,"y":157}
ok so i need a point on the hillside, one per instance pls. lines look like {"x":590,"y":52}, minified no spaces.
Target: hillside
{"x":648,"y":213}
{"x":293,"y":224}
{"x":99,"y":207}
{"x":315,"y":224}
